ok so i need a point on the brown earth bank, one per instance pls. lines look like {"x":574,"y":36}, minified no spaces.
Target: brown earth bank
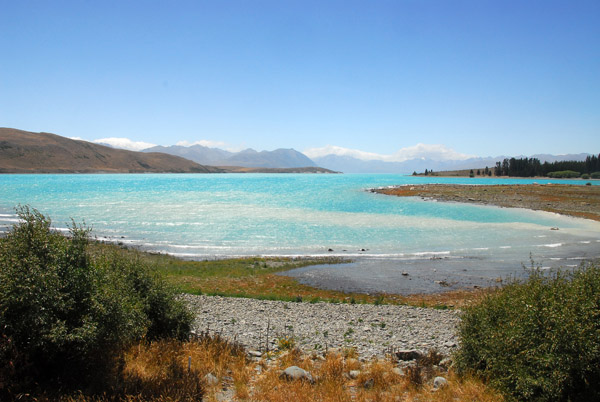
{"x":27,"y":152}
{"x":574,"y":200}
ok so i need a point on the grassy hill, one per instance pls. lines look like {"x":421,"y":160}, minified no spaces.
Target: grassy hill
{"x":27,"y":152}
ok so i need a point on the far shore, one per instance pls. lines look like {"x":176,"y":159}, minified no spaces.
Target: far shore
{"x":573,"y":200}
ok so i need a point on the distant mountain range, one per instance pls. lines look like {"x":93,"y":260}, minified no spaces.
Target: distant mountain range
{"x":349,"y":164}
{"x":290,"y":158}
{"x":280,"y":158}
{"x":27,"y":152}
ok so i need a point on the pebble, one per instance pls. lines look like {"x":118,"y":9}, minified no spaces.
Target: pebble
{"x":373,"y":331}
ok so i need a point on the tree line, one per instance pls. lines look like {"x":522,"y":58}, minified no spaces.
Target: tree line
{"x":529,"y":167}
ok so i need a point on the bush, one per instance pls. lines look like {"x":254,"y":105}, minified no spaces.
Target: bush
{"x":564,"y":174}
{"x":595,"y":175}
{"x":585,"y":176}
{"x":538,"y":340}
{"x":65,"y":315}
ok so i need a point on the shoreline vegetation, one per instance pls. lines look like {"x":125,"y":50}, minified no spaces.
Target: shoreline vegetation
{"x":258,"y":278}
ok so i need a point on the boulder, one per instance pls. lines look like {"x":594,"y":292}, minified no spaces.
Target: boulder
{"x":295,"y":373}
{"x":439,"y":383}
{"x":254,"y":353}
{"x":408,"y":354}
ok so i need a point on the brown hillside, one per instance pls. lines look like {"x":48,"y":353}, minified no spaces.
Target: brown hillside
{"x":27,"y":152}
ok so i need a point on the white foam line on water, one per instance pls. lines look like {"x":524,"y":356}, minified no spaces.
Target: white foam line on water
{"x":424,"y":253}
{"x":550,"y":245}
{"x":10,"y":220}
{"x":183,"y":246}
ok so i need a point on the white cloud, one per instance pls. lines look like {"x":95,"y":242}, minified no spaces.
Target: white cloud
{"x":125,"y":143}
{"x":340,"y":151}
{"x":204,"y":143}
{"x":437,"y":152}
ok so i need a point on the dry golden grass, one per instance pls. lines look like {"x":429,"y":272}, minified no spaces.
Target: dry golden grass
{"x":159,"y":372}
{"x":376,"y":382}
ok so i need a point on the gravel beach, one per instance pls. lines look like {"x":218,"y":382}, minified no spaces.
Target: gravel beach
{"x":579,"y":201}
{"x":373,"y":330}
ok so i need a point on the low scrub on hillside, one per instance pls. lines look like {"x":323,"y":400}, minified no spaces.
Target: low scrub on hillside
{"x":66,"y":315}
{"x":539,"y":339}
{"x":564,"y":174}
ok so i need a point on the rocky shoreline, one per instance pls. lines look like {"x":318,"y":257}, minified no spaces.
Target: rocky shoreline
{"x":375,"y":330}
{"x":372,"y":330}
{"x":574,"y":200}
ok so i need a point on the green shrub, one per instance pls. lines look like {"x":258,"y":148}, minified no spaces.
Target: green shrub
{"x":564,"y":174}
{"x":539,"y":339}
{"x":595,"y":175}
{"x":585,"y":176}
{"x":65,"y":315}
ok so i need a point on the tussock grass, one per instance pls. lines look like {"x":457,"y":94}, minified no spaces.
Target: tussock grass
{"x":158,"y":371}
{"x":376,"y":382}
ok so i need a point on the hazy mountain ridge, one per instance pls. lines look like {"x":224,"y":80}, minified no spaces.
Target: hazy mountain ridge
{"x":279,"y":158}
{"x":349,"y":164}
{"x":197,"y":153}
{"x":28,"y":152}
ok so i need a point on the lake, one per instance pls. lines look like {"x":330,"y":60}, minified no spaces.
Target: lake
{"x":205,"y":216}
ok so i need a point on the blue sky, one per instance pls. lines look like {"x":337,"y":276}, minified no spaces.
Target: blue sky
{"x":480,"y":77}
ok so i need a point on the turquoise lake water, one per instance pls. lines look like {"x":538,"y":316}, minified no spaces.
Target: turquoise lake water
{"x":222,"y":215}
